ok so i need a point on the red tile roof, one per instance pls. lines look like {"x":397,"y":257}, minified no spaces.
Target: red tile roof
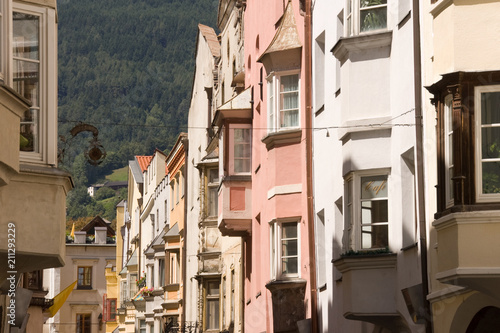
{"x":144,"y":161}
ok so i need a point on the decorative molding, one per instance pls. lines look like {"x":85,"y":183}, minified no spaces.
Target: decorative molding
{"x":286,"y":137}
{"x":284,"y":189}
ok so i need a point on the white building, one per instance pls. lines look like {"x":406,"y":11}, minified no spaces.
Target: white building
{"x":368,"y":249}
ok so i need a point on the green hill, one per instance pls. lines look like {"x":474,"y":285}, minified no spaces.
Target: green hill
{"x":125,"y":67}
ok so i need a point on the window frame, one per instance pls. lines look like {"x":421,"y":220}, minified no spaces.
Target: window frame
{"x":352,"y":17}
{"x":212,"y":186}
{"x":233,"y":144}
{"x":274,"y":104}
{"x":46,"y":150}
{"x":276,"y":240}
{"x":353,"y":202}
{"x":216,"y":297}
{"x":478,"y":158}
{"x":81,"y":319}
{"x":83,"y":285}
{"x":111,"y":315}
{"x":448,"y":153}
{"x":174,"y":267}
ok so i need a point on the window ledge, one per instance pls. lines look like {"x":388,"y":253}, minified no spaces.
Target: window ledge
{"x":282,"y":138}
{"x":293,"y":283}
{"x":368,"y":261}
{"x":345,"y":46}
{"x":236,"y":178}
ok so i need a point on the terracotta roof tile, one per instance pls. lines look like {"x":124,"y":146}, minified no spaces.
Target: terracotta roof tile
{"x":211,"y":37}
{"x":144,"y":161}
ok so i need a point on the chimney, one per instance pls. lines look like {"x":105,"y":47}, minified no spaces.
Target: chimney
{"x":80,"y":237}
{"x":100,"y":235}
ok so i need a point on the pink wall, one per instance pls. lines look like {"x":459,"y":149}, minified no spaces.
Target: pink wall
{"x":280,"y":166}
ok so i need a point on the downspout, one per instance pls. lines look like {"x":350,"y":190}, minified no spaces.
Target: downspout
{"x":185,"y":143}
{"x":310,"y":206}
{"x":417,"y":59}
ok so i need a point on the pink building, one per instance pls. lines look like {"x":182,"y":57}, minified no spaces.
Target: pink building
{"x":263,"y":193}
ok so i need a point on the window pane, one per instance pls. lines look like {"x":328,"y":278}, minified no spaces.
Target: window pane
{"x":212,"y":314}
{"x":212,"y":201}
{"x":491,"y":177}
{"x":490,"y":108}
{"x":289,"y":248}
{"x":290,"y":265}
{"x":213,"y":176}
{"x":374,"y":237}
{"x":374,"y":187}
{"x":289,"y":118}
{"x":25,"y":35}
{"x":374,"y":211}
{"x":289,"y":83}
{"x":289,"y":230}
{"x":490,"y":142}
{"x":373,"y":19}
{"x":213,"y":288}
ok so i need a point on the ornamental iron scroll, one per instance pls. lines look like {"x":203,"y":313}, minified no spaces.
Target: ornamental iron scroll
{"x":95,"y":153}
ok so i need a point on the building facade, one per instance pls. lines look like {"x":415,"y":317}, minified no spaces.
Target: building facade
{"x":28,"y":161}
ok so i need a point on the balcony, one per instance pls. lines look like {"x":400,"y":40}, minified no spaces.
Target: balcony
{"x":467,"y":250}
{"x":369,"y":284}
{"x":235,"y":200}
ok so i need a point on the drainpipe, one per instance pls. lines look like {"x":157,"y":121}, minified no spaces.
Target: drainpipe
{"x":310,"y":206}
{"x":417,"y":58}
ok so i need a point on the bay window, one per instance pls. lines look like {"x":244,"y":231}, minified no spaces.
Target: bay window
{"x":488,"y":142}
{"x":283,"y":101}
{"x":363,"y":16}
{"x":284,"y":249}
{"x":367,"y":211}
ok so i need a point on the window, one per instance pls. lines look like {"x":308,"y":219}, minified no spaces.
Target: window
{"x":161,"y":272}
{"x":83,"y":323}
{"x":284,"y":249}
{"x":142,"y":326}
{"x":364,"y":16}
{"x":212,"y":194}
{"x":178,"y":185}
{"x":124,"y":292}
{"x":242,"y":149}
{"x":448,"y":147}
{"x":212,"y":305}
{"x":174,"y":274}
{"x":283,"y":102}
{"x":110,"y":309}
{"x":132,"y":284}
{"x":172,"y":185}
{"x":232,"y":295}
{"x":367,"y":218}
{"x":84,"y":277}
{"x":488,"y":143}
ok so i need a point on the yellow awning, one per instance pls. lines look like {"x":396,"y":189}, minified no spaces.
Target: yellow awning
{"x":60,"y":298}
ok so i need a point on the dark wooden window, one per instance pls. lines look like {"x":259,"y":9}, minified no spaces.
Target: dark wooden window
{"x":83,"y":323}
{"x":84,"y":277}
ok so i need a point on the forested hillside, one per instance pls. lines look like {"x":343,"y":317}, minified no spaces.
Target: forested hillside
{"x":125,"y":67}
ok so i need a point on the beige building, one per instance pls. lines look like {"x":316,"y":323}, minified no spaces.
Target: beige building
{"x":90,"y":259}
{"x":32,"y":189}
{"x":462,"y":76}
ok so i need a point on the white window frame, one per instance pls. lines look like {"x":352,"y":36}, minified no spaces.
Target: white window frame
{"x":352,"y":202}
{"x":448,"y":149}
{"x":212,"y":186}
{"x":480,"y":196}
{"x":232,"y":143}
{"x":276,"y":249}
{"x":46,"y":150}
{"x":352,"y":18}
{"x":273,"y":101}
{"x":5,"y":33}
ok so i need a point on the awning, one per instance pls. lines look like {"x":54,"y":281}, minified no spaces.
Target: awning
{"x":60,"y":298}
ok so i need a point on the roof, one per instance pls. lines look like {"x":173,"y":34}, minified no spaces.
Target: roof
{"x":136,"y":171}
{"x":211,"y":38}
{"x":174,"y":231}
{"x":287,"y":36}
{"x":98,"y":222}
{"x":144,"y":162}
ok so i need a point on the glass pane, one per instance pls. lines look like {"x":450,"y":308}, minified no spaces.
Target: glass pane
{"x":491,"y":177}
{"x":289,"y":265}
{"x":241,"y":135}
{"x":490,"y":108}
{"x":29,"y":131}
{"x":213,"y":314}
{"x":373,"y":19}
{"x":289,"y":248}
{"x":374,"y":187}
{"x":212,"y":201}
{"x":213,"y":176}
{"x":290,"y":118}
{"x":25,"y":35}
{"x":374,"y":211}
{"x":289,"y":230}
{"x":213,"y":288}
{"x":289,"y":83}
{"x":490,"y":142}
{"x":289,"y":101}
{"x":374,"y":237}
{"x":371,"y":3}
{"x":26,"y":80}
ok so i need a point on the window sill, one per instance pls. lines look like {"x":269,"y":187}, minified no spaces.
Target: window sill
{"x":347,"y":45}
{"x":286,"y":137}
{"x":291,"y":283}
